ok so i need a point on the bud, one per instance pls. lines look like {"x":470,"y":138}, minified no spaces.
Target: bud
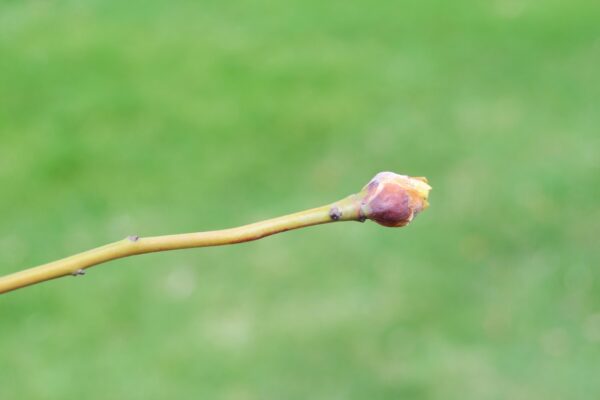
{"x":394,"y":200}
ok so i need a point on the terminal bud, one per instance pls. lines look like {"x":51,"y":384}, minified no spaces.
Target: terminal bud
{"x":393,"y":200}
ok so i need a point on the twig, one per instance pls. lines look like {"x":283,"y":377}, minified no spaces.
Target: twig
{"x":389,"y":199}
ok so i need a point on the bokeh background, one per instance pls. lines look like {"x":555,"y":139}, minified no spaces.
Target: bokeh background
{"x":155,"y":117}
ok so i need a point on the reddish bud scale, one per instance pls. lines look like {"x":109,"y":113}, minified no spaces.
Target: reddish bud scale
{"x":393,"y":200}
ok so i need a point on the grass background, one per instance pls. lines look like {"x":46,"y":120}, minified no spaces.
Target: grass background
{"x":155,"y":117}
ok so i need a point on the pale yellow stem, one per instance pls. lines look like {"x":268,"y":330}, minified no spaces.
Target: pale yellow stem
{"x":388,"y":199}
{"x":344,"y":210}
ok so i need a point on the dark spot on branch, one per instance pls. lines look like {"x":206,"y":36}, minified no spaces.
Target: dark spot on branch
{"x":361,"y":216}
{"x":335,"y":214}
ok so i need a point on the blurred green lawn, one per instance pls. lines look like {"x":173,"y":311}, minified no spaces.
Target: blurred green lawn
{"x":155,"y":117}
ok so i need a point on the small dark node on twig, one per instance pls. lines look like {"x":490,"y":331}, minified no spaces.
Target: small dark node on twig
{"x":335,"y":214}
{"x":133,"y":238}
{"x":361,"y":215}
{"x":79,"y":272}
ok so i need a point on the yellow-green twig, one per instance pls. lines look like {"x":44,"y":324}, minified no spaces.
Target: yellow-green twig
{"x":389,"y":199}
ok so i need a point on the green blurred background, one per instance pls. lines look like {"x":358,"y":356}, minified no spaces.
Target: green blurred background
{"x":156,"y":117}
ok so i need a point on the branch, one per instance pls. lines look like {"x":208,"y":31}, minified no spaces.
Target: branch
{"x":388,"y":199}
